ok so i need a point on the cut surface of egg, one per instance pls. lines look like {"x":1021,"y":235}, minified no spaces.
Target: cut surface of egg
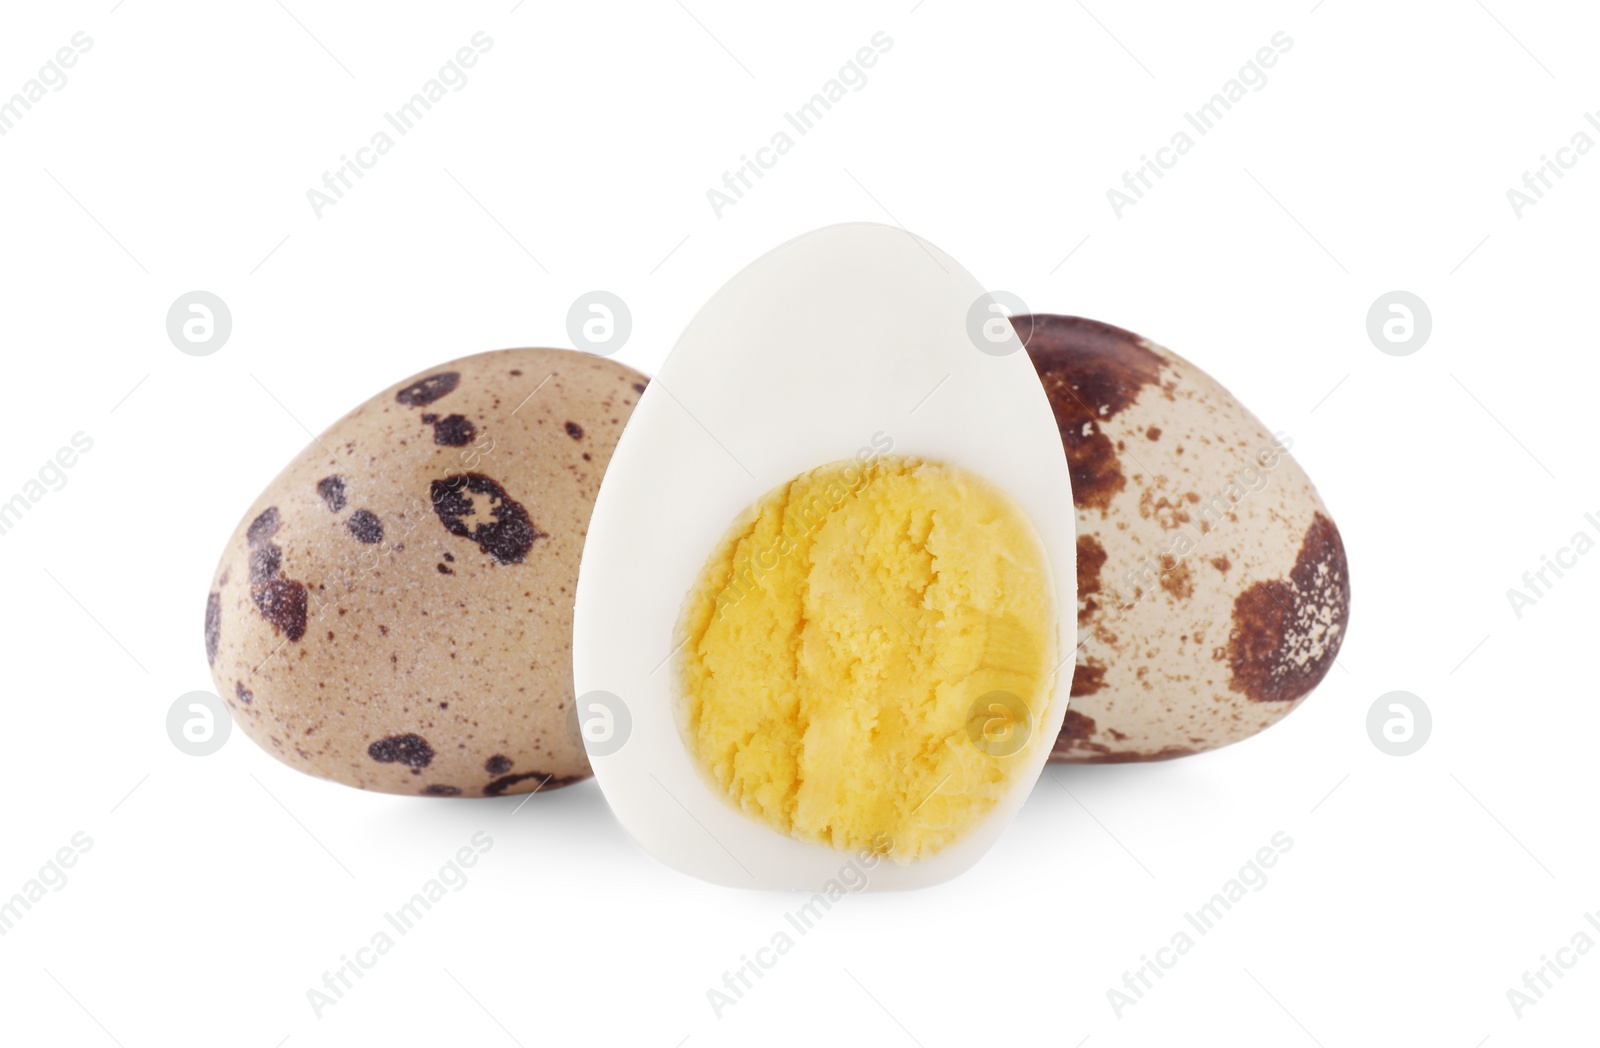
{"x":826,"y":598}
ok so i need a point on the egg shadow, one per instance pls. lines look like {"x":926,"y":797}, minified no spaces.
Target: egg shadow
{"x":575,"y":817}
{"x":1131,"y":781}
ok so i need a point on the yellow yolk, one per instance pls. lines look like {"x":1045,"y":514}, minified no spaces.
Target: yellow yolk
{"x":868,"y":654}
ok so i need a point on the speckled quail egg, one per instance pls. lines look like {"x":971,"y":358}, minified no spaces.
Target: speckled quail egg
{"x":394,"y":612}
{"x":1213,"y":593}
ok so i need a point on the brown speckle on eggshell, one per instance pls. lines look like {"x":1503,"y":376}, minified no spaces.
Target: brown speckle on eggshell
{"x":331,"y":488}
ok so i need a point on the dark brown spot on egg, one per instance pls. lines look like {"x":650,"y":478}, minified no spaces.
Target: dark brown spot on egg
{"x":574,"y":431}
{"x":497,"y":765}
{"x":436,"y":790}
{"x":365,"y":526}
{"x":638,"y":387}
{"x":331,"y":489}
{"x":1077,"y":726}
{"x":1076,"y":737}
{"x":1176,"y":578}
{"x":1222,"y":564}
{"x":411,"y":750}
{"x":445,"y":569}
{"x":505,"y":782}
{"x":427,"y":390}
{"x":508,"y":533}
{"x":1091,"y":372}
{"x":263,"y":527}
{"x":454,"y":431}
{"x":1088,"y":677}
{"x":282,"y":602}
{"x":213,"y":626}
{"x":1091,"y":558}
{"x":242,"y":693}
{"x":1153,"y":433}
{"x":265,"y":562}
{"x":1287,"y":632}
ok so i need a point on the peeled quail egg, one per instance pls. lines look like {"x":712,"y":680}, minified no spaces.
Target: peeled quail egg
{"x":825,"y":600}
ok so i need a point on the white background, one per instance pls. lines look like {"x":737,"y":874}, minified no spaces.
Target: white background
{"x":1378,"y":155}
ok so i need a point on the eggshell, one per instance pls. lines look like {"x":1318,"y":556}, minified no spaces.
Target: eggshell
{"x":800,"y":360}
{"x":1213,"y":593}
{"x":394,"y":612}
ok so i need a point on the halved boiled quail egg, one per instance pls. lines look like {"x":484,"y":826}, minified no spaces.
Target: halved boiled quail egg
{"x":826,"y":614}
